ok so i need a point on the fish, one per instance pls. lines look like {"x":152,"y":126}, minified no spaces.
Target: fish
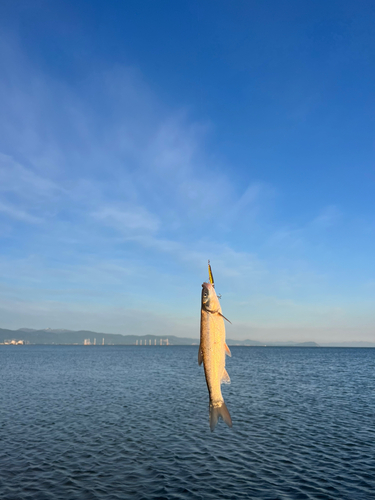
{"x":212,"y":352}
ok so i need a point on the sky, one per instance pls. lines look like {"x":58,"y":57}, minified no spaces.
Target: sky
{"x":140,"y":139}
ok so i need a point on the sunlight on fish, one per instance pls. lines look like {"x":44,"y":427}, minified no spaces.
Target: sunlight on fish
{"x":212,"y":351}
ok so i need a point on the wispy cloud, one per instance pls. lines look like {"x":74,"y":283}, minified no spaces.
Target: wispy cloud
{"x":302,"y":235}
{"x":126,"y":203}
{"x":135,"y":219}
{"x":25,"y":195}
{"x":17,"y":214}
{"x":22,"y":181}
{"x":96,"y":317}
{"x":327,"y":218}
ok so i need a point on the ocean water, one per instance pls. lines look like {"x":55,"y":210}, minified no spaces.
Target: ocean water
{"x":124,"y":422}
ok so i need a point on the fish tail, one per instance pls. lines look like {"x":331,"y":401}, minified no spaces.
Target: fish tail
{"x":219,"y":411}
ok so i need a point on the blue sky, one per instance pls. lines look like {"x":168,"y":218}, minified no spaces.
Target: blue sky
{"x":139,"y":139}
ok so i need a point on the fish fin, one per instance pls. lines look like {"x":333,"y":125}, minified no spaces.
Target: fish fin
{"x":200,"y":359}
{"x":222,"y":315}
{"x":219,"y":411}
{"x":227,"y":351}
{"x":225,"y":379}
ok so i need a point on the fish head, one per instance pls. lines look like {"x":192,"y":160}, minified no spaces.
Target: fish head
{"x":210,"y":302}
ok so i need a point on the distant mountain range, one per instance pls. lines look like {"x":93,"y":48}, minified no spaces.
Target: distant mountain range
{"x":69,"y":337}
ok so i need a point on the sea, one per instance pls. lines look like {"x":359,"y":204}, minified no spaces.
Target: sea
{"x":131,"y":422}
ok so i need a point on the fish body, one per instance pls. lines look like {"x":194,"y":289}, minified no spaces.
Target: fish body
{"x":212,"y":351}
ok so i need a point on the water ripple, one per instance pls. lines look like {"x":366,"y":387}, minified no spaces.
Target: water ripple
{"x":126,"y":422}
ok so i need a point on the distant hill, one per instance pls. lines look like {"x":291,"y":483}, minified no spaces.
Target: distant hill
{"x":245,"y":342}
{"x":44,"y":330}
{"x":307,"y":344}
{"x":69,"y":337}
{"x":271,"y":344}
{"x":50,"y":336}
{"x":349,"y":344}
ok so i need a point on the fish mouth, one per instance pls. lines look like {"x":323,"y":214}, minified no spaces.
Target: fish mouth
{"x":207,"y":285}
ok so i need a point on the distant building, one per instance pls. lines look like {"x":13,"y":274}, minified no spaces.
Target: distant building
{"x":14,"y":342}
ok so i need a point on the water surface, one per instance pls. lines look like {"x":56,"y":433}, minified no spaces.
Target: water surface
{"x":103,"y":422}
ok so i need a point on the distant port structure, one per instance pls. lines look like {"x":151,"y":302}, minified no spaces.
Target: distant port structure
{"x":48,"y":336}
{"x":148,"y":342}
{"x":144,"y":342}
{"x":88,"y":342}
{"x":14,"y":342}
